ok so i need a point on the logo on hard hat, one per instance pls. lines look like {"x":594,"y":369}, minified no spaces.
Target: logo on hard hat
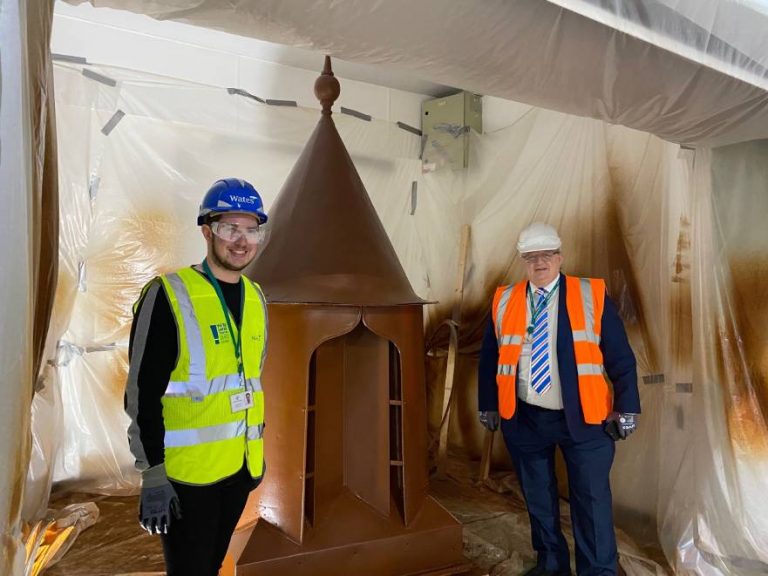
{"x":242,"y":199}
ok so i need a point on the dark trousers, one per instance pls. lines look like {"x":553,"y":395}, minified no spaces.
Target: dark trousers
{"x":531,"y":441}
{"x":197,"y":543}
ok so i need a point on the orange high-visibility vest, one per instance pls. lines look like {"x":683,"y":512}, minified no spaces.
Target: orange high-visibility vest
{"x":585,"y":298}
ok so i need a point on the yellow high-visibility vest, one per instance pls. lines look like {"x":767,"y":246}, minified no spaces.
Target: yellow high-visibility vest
{"x":205,"y":440}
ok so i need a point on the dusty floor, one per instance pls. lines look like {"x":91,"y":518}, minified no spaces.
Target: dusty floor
{"x":496,"y":531}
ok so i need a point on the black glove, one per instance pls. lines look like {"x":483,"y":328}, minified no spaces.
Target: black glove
{"x":159,"y":501}
{"x":619,"y":425}
{"x":490,"y":419}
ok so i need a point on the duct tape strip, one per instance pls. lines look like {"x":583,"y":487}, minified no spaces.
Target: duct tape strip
{"x":81,"y":284}
{"x":289,"y":103}
{"x":99,"y":77}
{"x":356,"y":114}
{"x":684,"y":387}
{"x":241,"y":92}
{"x":424,"y":139}
{"x":109,"y":126}
{"x":653,"y":379}
{"x":414,"y":196}
{"x":68,"y":351}
{"x":407,"y":128}
{"x":68,"y":58}
{"x":455,"y":130}
{"x":93,"y":187}
{"x":680,"y":417}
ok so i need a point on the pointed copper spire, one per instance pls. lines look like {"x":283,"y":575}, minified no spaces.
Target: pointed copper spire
{"x":327,"y":244}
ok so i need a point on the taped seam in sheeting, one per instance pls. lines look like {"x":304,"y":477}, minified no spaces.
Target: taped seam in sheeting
{"x":653,"y":379}
{"x":289,"y":103}
{"x":82,"y":286}
{"x":93,"y":187}
{"x":68,"y":351}
{"x":69,"y":58}
{"x":356,"y":114}
{"x":408,"y":128}
{"x":112,"y":123}
{"x":684,"y":387}
{"x":99,"y":78}
{"x":241,"y":92}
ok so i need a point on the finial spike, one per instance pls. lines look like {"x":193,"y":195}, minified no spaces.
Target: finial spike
{"x":327,"y":88}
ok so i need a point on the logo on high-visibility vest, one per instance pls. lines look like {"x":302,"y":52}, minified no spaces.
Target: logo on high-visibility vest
{"x":220,"y":333}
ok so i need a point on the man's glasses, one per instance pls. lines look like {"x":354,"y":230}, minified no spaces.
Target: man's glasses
{"x":232,"y":232}
{"x":543,"y":256}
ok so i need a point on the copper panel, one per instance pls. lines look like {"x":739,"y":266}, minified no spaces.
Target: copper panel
{"x":327,"y":380}
{"x":366,"y":418}
{"x":352,"y":540}
{"x":403,"y":325}
{"x":294,"y":333}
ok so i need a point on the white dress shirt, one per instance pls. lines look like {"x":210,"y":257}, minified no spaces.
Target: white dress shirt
{"x":553,"y":397}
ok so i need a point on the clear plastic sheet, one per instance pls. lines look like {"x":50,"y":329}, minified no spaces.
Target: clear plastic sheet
{"x":27,"y":244}
{"x":688,"y":71}
{"x":642,"y":213}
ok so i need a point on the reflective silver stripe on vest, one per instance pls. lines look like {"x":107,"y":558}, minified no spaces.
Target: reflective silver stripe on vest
{"x":196,"y":436}
{"x":256,"y":432}
{"x":510,"y":339}
{"x":199,"y":390}
{"x":580,"y":336}
{"x":589,"y":310}
{"x":589,"y":369}
{"x":192,"y":332}
{"x":506,"y":370}
{"x":503,"y":301}
{"x":266,"y":326}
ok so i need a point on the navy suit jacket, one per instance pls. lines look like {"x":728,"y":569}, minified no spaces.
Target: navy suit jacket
{"x":618,"y":359}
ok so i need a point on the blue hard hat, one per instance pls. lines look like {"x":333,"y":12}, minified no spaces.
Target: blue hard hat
{"x":231,"y":195}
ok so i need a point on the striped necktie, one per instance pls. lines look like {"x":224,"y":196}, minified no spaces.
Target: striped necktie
{"x":541,"y":380}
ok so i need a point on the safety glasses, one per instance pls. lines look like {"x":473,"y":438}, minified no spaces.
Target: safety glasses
{"x":232,"y":232}
{"x":534,"y":257}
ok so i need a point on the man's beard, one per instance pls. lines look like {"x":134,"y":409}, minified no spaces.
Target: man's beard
{"x":222,"y":261}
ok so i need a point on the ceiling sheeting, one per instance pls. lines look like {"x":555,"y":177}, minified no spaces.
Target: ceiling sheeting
{"x":692,"y":72}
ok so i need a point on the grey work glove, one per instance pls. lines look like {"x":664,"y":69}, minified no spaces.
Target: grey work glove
{"x":619,"y":425}
{"x":490,"y":419}
{"x":159,"y":501}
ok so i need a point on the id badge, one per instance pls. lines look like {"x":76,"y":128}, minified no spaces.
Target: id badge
{"x":241,"y":401}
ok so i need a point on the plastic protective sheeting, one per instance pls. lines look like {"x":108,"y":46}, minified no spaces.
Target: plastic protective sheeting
{"x":49,"y":539}
{"x":27,"y":244}
{"x":641,"y":64}
{"x":724,"y":35}
{"x":642,"y":213}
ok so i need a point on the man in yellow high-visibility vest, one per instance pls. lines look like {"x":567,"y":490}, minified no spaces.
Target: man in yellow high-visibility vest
{"x":194,"y":392}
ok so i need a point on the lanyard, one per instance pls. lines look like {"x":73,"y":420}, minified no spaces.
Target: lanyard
{"x":543,"y":303}
{"x":237,"y":343}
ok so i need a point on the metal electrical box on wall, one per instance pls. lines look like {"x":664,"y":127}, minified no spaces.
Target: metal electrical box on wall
{"x":445,"y":124}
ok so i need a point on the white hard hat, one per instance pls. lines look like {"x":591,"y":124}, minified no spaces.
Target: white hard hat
{"x":538,"y":236}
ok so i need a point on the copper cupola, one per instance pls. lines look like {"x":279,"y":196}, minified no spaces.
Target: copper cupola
{"x":346,"y":484}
